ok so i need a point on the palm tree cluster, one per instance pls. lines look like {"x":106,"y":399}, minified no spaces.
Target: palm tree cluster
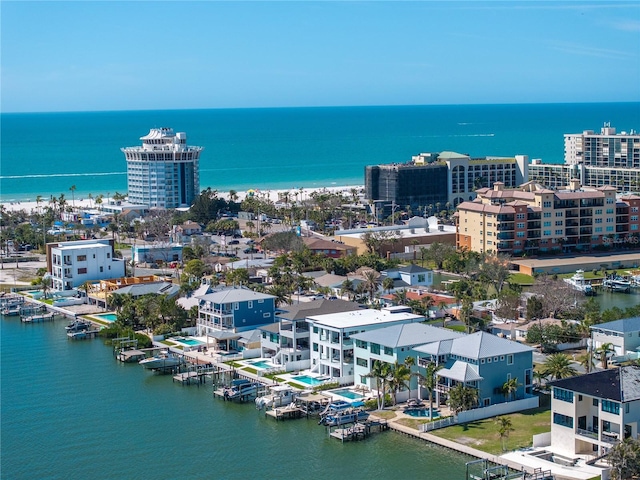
{"x":391,"y":378}
{"x":157,"y":313}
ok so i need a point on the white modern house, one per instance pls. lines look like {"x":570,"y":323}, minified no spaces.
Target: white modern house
{"x":72,"y":264}
{"x":411,"y":275}
{"x":332,"y":348}
{"x":623,"y":335}
{"x":591,"y":413}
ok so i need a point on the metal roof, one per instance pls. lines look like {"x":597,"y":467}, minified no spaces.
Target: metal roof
{"x":234,"y":294}
{"x":407,"y":334}
{"x":624,"y":325}
{"x":618,"y":384}
{"x":460,"y":372}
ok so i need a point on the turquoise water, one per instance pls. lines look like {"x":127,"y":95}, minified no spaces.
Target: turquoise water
{"x":306,"y":379}
{"x":78,"y":413}
{"x":108,"y":317}
{"x":261,"y":364}
{"x":45,"y":154}
{"x":422,"y":412}
{"x":189,"y":341}
{"x":346,"y":393}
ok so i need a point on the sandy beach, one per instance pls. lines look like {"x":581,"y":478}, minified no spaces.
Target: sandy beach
{"x":272,"y":195}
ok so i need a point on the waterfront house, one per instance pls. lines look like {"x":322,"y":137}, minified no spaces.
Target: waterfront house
{"x":287,"y":341}
{"x":482,"y":361}
{"x":623,"y":335}
{"x":234,"y":309}
{"x":332,"y":348}
{"x":591,"y":413}
{"x":391,"y":344}
{"x":72,"y":264}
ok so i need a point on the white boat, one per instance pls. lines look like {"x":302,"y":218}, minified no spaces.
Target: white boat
{"x":617,"y":284}
{"x":78,"y":326}
{"x":240,"y":388}
{"x":342,"y":412}
{"x":11,"y":310}
{"x":279,"y":395}
{"x":161,"y":361}
{"x":578,"y":282}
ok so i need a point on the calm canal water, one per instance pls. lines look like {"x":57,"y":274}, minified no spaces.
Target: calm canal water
{"x":70,"y":410}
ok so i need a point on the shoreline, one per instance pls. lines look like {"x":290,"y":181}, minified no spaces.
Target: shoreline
{"x":296,"y":194}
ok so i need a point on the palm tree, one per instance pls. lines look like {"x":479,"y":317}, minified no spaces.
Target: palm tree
{"x":442,"y":306}
{"x":504,"y":428}
{"x":409,"y":362}
{"x":462,"y":397}
{"x":400,"y":297}
{"x":430,"y":381}
{"x":558,"y":366}
{"x":603,"y":352}
{"x":539,"y":377}
{"x":399,"y":377}
{"x":387,"y":284}
{"x":371,"y":281}
{"x":45,"y":283}
{"x":347,"y":289}
{"x":427,"y":302}
{"x":624,"y":459}
{"x":73,"y":198}
{"x":380,"y":371}
{"x":510,"y":387}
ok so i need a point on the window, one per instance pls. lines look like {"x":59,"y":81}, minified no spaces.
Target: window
{"x":546,"y":204}
{"x":388,"y":351}
{"x":361,"y":344}
{"x":595,"y":402}
{"x":558,"y":232}
{"x":82,"y":258}
{"x":362,"y":362}
{"x":82,"y":271}
{"x":509,"y":359}
{"x":547,"y":214}
{"x":609,"y":229}
{"x":609,"y":211}
{"x":611,"y":407}
{"x":598,"y":220}
{"x":375,"y":348}
{"x":315,"y":347}
{"x":250,"y":304}
{"x":520,"y":216}
{"x":558,"y":223}
{"x":547,"y":232}
{"x":520,"y":225}
{"x":266,"y":315}
{"x":547,"y":224}
{"x":609,"y":220}
{"x":315,"y":329}
{"x":598,"y":211}
{"x":108,"y":255}
{"x":562,"y":420}
{"x":520,"y":234}
{"x":562,"y":394}
{"x":558,"y":214}
{"x":236,"y":306}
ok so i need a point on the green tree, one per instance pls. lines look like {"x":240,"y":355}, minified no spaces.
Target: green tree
{"x":462,"y":397}
{"x":624,"y":458}
{"x":509,"y":388}
{"x":558,"y":366}
{"x":45,"y":285}
{"x":371,"y":282}
{"x":387,"y":284}
{"x":380,"y":371}
{"x":430,"y":382}
{"x":603,"y":352}
{"x":399,"y":377}
{"x":504,"y":428}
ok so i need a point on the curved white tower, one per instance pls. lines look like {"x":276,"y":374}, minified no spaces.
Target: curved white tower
{"x":164,"y":171}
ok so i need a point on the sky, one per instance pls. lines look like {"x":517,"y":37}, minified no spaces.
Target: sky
{"x":150,"y":55}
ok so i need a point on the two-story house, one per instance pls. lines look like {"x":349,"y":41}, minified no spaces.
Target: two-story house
{"x":391,"y":344}
{"x":287,"y":341}
{"x":591,"y":413}
{"x":623,"y":335}
{"x":482,"y":361}
{"x":234,"y":309}
{"x":411,"y":275}
{"x":331,"y":343}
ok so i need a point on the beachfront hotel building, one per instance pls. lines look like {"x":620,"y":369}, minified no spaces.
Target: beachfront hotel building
{"x":164,"y":171}
{"x":535,"y":220}
{"x":72,"y":264}
{"x":435,"y":179}
{"x":605,"y":149}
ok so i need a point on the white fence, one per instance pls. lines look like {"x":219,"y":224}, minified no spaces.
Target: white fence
{"x":498,"y":409}
{"x":436,"y":424}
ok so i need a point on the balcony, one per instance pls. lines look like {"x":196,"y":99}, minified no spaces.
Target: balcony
{"x":505,"y":236}
{"x":587,"y":433}
{"x":505,"y":226}
{"x":571,"y":223}
{"x":610,"y":437}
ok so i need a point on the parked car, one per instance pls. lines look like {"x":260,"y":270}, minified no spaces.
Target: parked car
{"x":234,"y":242}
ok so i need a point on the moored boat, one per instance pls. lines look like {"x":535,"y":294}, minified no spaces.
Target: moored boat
{"x":278,"y":396}
{"x":161,"y":361}
{"x":342,"y":412}
{"x":616,"y":283}
{"x":78,"y":326}
{"x":578,"y":282}
{"x":240,"y":388}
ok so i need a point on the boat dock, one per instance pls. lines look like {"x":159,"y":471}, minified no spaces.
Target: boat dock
{"x":358,"y":430}
{"x":285,"y":413}
{"x":197,"y":374}
{"x":83,"y":335}
{"x":38,"y":318}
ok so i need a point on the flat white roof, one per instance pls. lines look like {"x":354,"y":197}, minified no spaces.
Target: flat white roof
{"x":361,"y":318}
{"x":79,"y":247}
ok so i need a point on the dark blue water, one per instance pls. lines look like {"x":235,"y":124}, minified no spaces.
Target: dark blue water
{"x":45,"y":154}
{"x":71,"y":411}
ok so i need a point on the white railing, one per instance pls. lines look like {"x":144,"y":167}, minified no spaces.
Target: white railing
{"x":436,"y":424}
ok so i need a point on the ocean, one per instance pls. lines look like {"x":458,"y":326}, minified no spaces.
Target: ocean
{"x":280,"y":148}
{"x":70,"y":410}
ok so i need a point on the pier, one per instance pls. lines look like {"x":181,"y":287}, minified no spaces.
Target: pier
{"x":38,"y":318}
{"x":197,"y":374}
{"x":358,"y":430}
{"x":285,"y":413}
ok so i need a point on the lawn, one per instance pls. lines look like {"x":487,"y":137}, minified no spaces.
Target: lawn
{"x":483,"y":434}
{"x":520,"y":279}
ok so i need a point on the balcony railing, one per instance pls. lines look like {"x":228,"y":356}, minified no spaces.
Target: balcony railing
{"x":587,"y":433}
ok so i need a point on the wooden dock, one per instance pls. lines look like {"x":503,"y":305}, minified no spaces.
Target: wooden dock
{"x":285,"y":413}
{"x":358,"y":430}
{"x":196,"y":375}
{"x":83,"y":335}
{"x":45,"y":317}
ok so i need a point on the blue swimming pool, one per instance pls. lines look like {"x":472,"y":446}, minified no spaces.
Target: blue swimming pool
{"x":261,"y":364}
{"x":107,"y":317}
{"x":422,"y":412}
{"x":192,"y":342}
{"x":346,"y":393}
{"x":306,"y":379}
